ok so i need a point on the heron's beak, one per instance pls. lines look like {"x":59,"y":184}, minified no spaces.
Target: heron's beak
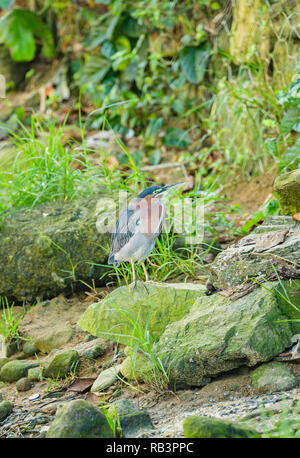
{"x":166,"y":188}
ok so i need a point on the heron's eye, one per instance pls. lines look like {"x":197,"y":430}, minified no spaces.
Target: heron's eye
{"x":138,"y":221}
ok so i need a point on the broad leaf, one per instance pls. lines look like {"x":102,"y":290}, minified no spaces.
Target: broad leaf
{"x":18,"y":29}
{"x":176,"y":137}
{"x":193,"y":62}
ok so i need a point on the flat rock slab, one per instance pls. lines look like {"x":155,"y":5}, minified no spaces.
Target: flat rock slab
{"x":219,"y":335}
{"x":125,"y":312}
{"x":273,"y":245}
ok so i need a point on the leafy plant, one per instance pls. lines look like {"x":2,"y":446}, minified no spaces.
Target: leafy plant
{"x":18,"y":30}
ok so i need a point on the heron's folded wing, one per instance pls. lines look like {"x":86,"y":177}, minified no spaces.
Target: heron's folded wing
{"x":124,"y":230}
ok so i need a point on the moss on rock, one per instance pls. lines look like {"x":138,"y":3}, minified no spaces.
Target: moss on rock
{"x":14,"y":370}
{"x":48,"y":249}
{"x":219,"y":335}
{"x":79,"y":419}
{"x":213,"y":428}
{"x":121,"y":313}
{"x":274,"y":376}
{"x":287,"y":187}
{"x":62,"y":364}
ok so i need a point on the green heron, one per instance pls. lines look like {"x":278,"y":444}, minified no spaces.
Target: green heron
{"x":137,"y":228}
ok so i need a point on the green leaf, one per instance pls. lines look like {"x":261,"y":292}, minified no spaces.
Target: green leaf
{"x":18,"y":29}
{"x":290,"y":121}
{"x":193,"y":62}
{"x":176,"y":137}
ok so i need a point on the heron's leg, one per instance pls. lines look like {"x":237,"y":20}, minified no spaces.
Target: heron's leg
{"x":133,"y":273}
{"x":135,"y":280}
{"x":145,"y":271}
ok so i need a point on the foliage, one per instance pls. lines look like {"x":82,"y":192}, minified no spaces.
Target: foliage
{"x":18,"y":30}
{"x":9,"y":322}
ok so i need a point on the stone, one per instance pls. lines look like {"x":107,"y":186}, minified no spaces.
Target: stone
{"x":3,"y":361}
{"x":214,"y":428}
{"x":35,"y":374}
{"x":79,"y":419}
{"x":16,"y":369}
{"x":45,"y":249}
{"x":287,"y":187}
{"x":273,"y":244}
{"x":274,"y":376}
{"x":106,"y":378}
{"x":136,"y":366}
{"x":115,"y":317}
{"x":94,"y":352}
{"x":54,"y":338}
{"x":136,"y":423}
{"x":5,"y":409}
{"x":29,"y":348}
{"x":23,"y":384}
{"x":123,"y":407}
{"x":219,"y":335}
{"x":62,"y":364}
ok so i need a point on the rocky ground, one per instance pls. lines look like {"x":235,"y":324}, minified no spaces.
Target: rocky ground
{"x":230,"y":348}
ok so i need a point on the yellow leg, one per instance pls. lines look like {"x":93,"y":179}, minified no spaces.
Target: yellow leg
{"x":145,"y":271}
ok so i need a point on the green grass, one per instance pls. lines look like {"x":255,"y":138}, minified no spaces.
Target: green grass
{"x":9,"y":322}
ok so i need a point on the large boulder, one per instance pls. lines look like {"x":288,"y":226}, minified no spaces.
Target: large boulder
{"x":125,"y":313}
{"x":48,"y":249}
{"x":219,"y":335}
{"x":272,"y":247}
{"x":287,"y":187}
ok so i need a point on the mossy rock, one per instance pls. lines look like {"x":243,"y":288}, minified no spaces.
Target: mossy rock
{"x":5,"y":409}
{"x":274,"y":376}
{"x":115,"y":317}
{"x":138,"y":367}
{"x":213,"y":428}
{"x":287,"y":187}
{"x":14,"y":370}
{"x":48,"y":249}
{"x":62,"y":364}
{"x":79,"y":419}
{"x":219,"y":335}
{"x":273,"y":245}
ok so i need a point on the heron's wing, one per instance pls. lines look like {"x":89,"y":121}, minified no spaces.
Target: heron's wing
{"x":123,"y":231}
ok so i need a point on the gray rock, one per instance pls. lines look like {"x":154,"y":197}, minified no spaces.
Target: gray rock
{"x":79,"y":419}
{"x":274,"y":244}
{"x":136,"y":423}
{"x":273,"y":376}
{"x":106,"y":378}
{"x":14,"y":370}
{"x":123,"y":407}
{"x":5,"y":409}
{"x":29,"y":348}
{"x":219,"y":335}
{"x":93,"y":353}
{"x":23,"y":384}
{"x":62,"y":364}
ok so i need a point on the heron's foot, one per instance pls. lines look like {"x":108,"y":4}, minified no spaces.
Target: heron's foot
{"x":134,"y":285}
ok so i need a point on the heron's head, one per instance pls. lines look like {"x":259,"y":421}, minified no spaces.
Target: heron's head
{"x":156,"y":190}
